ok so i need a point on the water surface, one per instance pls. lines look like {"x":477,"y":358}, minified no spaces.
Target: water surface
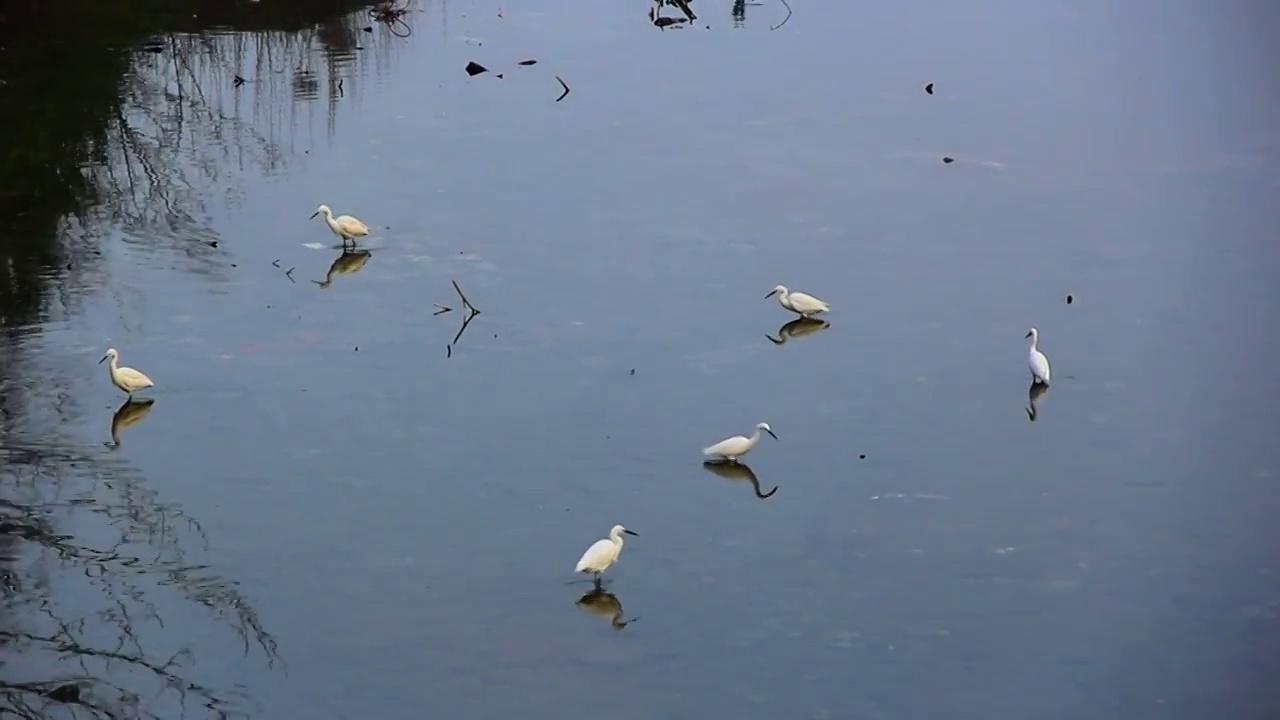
{"x":342,"y":511}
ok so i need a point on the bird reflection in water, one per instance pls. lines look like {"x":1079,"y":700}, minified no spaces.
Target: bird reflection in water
{"x":604,"y":604}
{"x":1034,"y":394}
{"x":738,"y":471}
{"x":349,"y":261}
{"x":798,"y":328}
{"x":130,"y":413}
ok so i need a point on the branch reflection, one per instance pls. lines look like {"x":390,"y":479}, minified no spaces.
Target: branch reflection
{"x":604,"y":604}
{"x":655,"y":13}
{"x":350,"y":261}
{"x":128,"y":414}
{"x":96,"y":604}
{"x":738,"y":471}
{"x":1034,"y":395}
{"x":798,"y":328}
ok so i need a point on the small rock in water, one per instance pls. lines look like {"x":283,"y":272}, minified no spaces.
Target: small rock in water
{"x":475,"y":68}
{"x":948,"y":160}
{"x":1068,"y":299}
{"x":527,"y":62}
{"x":929,"y":88}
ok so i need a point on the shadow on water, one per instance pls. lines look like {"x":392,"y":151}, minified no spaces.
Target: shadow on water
{"x":738,"y":471}
{"x":604,"y":604}
{"x":129,"y":413}
{"x":1034,"y":394}
{"x":350,"y":261}
{"x":798,"y":328}
{"x":117,"y":115}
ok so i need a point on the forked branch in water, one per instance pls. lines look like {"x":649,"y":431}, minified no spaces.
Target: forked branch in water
{"x":472,"y":312}
{"x":465,"y":303}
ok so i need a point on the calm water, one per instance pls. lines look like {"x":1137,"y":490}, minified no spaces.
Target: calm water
{"x":339,"y":511}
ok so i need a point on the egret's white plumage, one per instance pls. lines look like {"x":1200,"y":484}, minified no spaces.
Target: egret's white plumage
{"x":602,"y":553}
{"x":1036,"y":359}
{"x":738,"y":445}
{"x":797,"y":302}
{"x":344,"y":226}
{"x":125,"y":378}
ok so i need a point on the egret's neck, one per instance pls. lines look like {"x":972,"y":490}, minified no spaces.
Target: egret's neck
{"x":115,"y":364}
{"x":755,"y":438}
{"x":1035,"y":342}
{"x":616,"y":537}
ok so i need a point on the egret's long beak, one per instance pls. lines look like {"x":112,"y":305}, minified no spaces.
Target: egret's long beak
{"x":1026,"y":336}
{"x":630,"y":533}
{"x":104,"y":358}
{"x":314,"y":214}
{"x":771,"y":294}
{"x":775,"y":437}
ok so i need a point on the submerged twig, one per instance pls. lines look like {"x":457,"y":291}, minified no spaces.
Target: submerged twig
{"x":683,"y":5}
{"x":465,"y":302}
{"x":391,"y":14}
{"x":563,"y":85}
{"x":472,"y":312}
{"x":785,"y":19}
{"x":465,"y":322}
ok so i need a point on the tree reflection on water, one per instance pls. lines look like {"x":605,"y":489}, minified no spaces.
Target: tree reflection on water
{"x":123,"y":132}
{"x":83,"y":555}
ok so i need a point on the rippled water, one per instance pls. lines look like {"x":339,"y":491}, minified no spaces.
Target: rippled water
{"x":340,"y":508}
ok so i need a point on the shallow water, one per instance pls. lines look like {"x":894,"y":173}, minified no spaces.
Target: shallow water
{"x":339,"y":510}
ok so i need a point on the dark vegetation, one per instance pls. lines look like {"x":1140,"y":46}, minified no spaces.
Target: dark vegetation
{"x":108,"y":114}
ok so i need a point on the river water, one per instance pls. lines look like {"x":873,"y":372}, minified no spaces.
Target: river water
{"x":335,"y":507}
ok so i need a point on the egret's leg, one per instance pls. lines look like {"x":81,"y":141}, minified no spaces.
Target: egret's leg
{"x":596,"y":578}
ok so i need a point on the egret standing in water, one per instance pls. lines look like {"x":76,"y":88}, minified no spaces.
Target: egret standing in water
{"x":602,"y":554}
{"x":125,"y":378}
{"x":798,"y":302}
{"x":1037,"y":360}
{"x":344,"y":226}
{"x":735,"y":447}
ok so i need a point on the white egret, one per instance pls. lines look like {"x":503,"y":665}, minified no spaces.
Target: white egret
{"x":125,"y":378}
{"x":1037,"y":360}
{"x":344,"y":226}
{"x":798,"y":302}
{"x":602,"y":554}
{"x":738,"y":445}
